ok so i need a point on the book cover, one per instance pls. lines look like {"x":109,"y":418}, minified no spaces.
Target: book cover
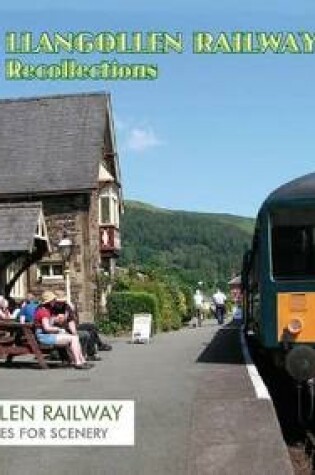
{"x":137,"y":140}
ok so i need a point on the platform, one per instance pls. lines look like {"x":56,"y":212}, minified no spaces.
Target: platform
{"x":233,"y":430}
{"x":197,"y":412}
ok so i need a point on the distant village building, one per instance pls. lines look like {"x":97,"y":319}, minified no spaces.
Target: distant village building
{"x":59,"y":183}
{"x":235,"y":286}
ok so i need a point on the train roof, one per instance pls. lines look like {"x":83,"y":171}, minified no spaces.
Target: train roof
{"x":299,"y":188}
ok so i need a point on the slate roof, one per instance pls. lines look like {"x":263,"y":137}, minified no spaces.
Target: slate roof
{"x":18,"y":225}
{"x":237,"y":280}
{"x":51,"y":144}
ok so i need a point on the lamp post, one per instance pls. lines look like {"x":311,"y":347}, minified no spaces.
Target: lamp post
{"x":65,"y":248}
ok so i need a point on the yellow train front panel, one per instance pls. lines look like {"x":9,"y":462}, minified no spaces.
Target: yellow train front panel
{"x":296,"y":316}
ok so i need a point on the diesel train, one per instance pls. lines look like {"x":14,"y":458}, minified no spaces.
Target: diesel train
{"x":278,"y":278}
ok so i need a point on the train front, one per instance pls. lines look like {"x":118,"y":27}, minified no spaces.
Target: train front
{"x":290,"y":219}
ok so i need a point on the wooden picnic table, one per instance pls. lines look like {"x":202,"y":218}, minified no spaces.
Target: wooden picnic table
{"x":19,"y":339}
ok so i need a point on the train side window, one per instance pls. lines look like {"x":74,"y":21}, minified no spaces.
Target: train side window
{"x":292,"y":251}
{"x":293,"y":243}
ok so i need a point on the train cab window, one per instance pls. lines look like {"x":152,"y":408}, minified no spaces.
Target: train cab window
{"x":293,"y":245}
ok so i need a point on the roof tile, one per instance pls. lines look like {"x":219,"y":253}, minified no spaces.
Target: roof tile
{"x":51,"y":144}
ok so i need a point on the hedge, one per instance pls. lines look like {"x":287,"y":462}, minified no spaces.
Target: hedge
{"x":174,"y":301}
{"x":169,"y":315}
{"x":121,"y":307}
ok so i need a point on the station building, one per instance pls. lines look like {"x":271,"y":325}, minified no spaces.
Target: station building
{"x":60,"y":197}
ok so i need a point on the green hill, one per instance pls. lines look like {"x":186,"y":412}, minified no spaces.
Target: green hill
{"x":188,"y":245}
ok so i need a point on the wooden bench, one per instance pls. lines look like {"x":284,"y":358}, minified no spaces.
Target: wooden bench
{"x":18,"y":339}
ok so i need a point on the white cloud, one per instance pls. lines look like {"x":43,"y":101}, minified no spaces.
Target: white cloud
{"x":141,"y":139}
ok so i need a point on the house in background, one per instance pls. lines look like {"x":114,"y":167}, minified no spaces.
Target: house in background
{"x":59,"y":185}
{"x":235,"y":286}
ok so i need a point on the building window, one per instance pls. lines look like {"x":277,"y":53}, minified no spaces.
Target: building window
{"x":105,"y":209}
{"x":18,"y":290}
{"x":50,"y":270}
{"x":109,"y":206}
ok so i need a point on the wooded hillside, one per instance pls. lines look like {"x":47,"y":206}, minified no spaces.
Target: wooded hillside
{"x":187,"y":245}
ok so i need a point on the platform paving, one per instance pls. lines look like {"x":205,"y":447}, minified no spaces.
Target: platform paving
{"x":196,"y":410}
{"x":233,"y":432}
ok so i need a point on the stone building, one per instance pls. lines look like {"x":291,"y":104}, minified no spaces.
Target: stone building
{"x":60,"y":188}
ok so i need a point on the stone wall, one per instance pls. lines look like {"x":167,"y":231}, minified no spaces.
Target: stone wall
{"x":94,"y":257}
{"x":77,"y":216}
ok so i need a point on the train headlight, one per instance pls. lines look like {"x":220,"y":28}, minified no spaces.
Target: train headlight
{"x":300,"y":363}
{"x":295,"y":326}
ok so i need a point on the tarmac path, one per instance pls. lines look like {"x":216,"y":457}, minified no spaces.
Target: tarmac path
{"x":168,"y":379}
{"x":161,"y":377}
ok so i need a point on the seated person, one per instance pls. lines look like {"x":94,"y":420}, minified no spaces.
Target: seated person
{"x":48,"y":333}
{"x":14,"y":308}
{"x":88,"y":334}
{"x":28,"y":308}
{"x":4,"y":309}
{"x":91,"y":328}
{"x":60,"y":320}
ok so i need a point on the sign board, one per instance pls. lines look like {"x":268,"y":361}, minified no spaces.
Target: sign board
{"x":141,"y":328}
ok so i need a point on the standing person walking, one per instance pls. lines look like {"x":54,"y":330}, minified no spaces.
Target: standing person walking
{"x":219,"y":299}
{"x":198,"y":301}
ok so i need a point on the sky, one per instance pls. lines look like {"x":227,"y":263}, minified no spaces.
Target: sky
{"x":213,"y":133}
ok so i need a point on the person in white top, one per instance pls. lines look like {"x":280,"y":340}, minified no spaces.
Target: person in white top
{"x":198,"y":301}
{"x":219,"y":299}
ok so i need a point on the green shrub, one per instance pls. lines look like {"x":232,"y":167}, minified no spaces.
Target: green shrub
{"x":173,"y":299}
{"x":189,"y":299}
{"x":179,"y":300}
{"x":109,"y":327}
{"x":168,"y":314}
{"x":122,"y":284}
{"x":121,"y":307}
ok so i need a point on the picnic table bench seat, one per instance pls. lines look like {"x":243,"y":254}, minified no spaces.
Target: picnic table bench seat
{"x":19,"y":339}
{"x":6,"y":339}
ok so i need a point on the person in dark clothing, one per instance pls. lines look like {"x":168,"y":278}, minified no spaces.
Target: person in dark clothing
{"x":88,"y":334}
{"x":91,"y":328}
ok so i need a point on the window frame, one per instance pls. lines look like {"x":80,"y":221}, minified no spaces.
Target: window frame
{"x":51,"y":275}
{"x":304,"y":225}
{"x":109,"y":192}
